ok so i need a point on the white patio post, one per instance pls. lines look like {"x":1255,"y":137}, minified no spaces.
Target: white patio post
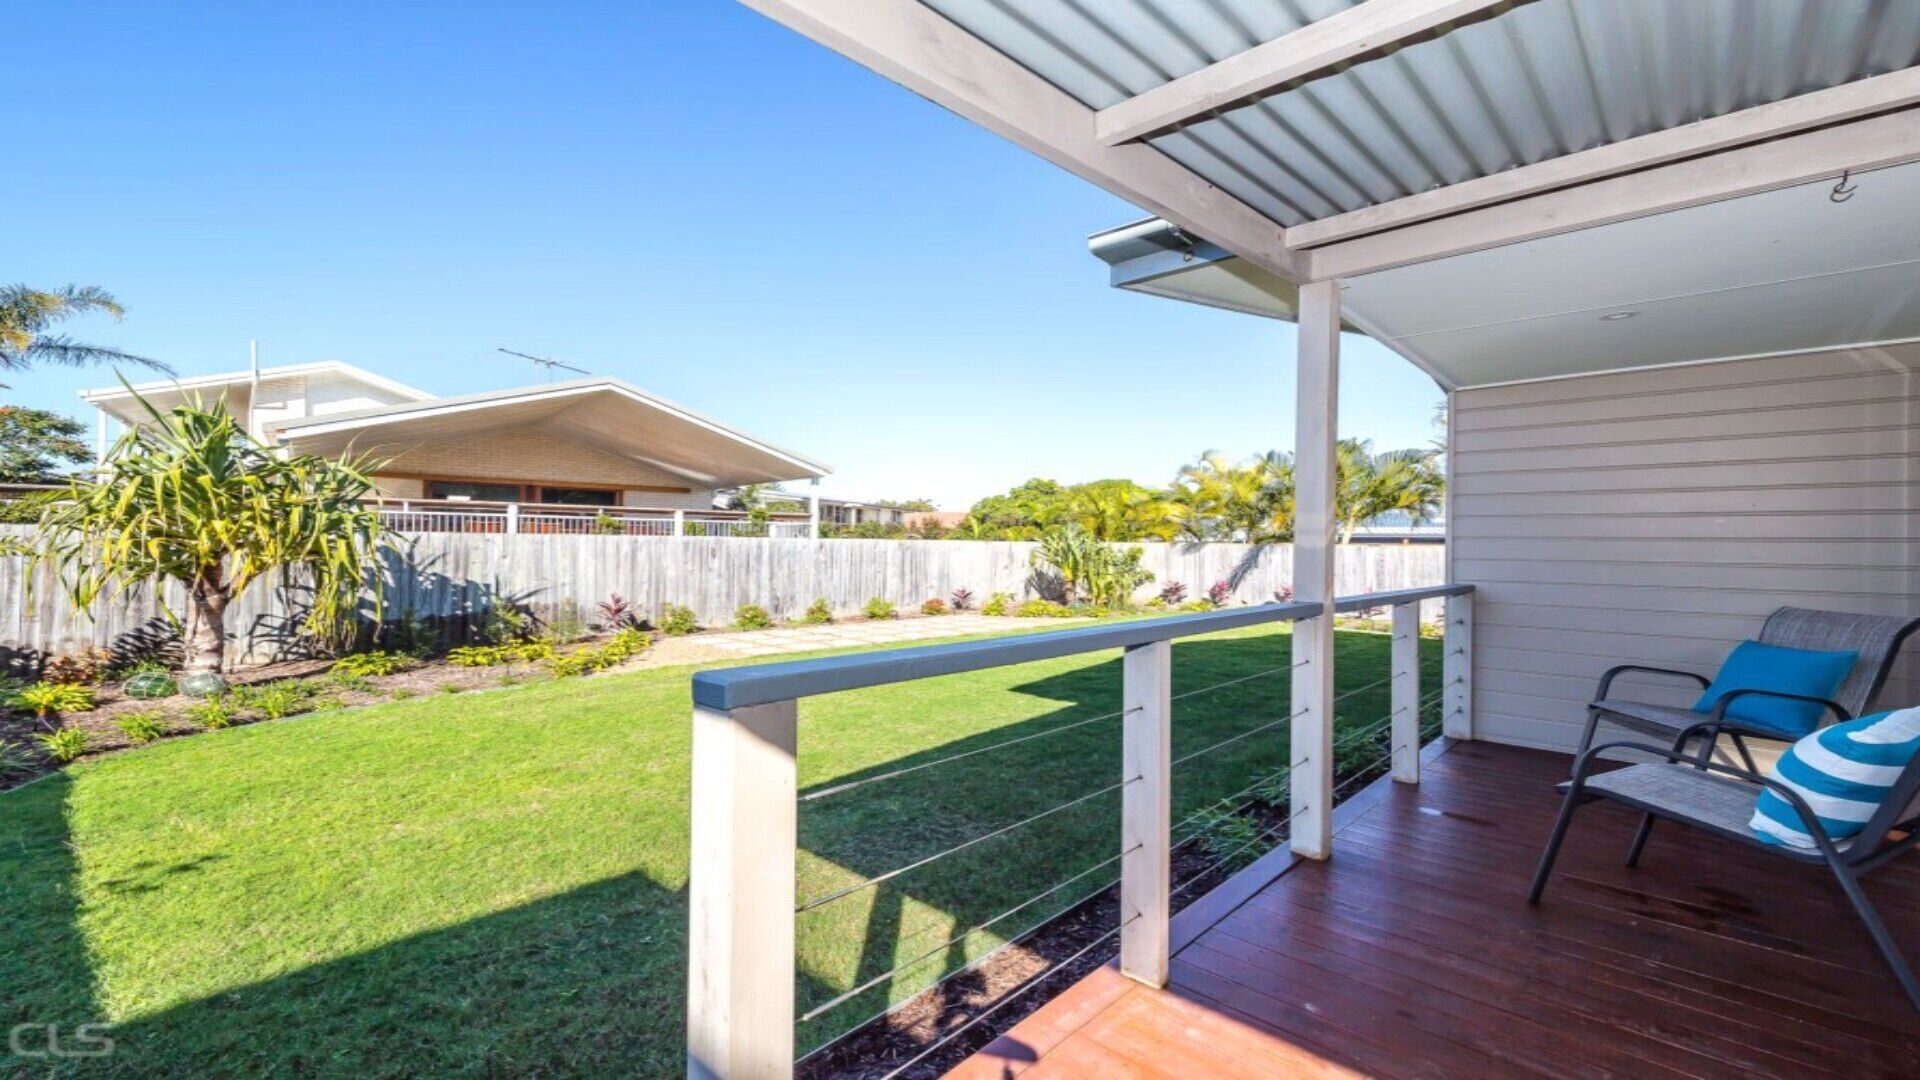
{"x":679,"y":523}
{"x":813,"y":511}
{"x":513,"y":517}
{"x":1145,"y":810}
{"x":1405,"y":675}
{"x":740,"y":893}
{"x":1317,"y":400}
{"x":100,"y":439}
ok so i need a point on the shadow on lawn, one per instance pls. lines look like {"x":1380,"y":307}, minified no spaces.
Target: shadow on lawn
{"x":45,"y":979}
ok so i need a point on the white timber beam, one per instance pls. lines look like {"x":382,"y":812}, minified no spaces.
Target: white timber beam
{"x":1318,"y":48}
{"x":1851,"y":101}
{"x":911,"y":44}
{"x":1317,"y":405}
{"x":1859,"y":146}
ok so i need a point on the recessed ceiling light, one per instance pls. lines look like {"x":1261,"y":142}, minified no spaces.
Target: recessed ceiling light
{"x":1616,"y":316}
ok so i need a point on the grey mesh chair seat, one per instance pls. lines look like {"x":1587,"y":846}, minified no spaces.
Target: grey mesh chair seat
{"x":1720,"y":799}
{"x":1876,"y":638}
{"x":1716,"y":803}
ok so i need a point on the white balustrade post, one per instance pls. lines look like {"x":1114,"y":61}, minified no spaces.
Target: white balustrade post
{"x":1317,"y":399}
{"x":513,"y":517}
{"x":679,"y":523}
{"x":1145,"y":810}
{"x":1457,"y":669}
{"x":740,"y":893}
{"x":1405,"y":672}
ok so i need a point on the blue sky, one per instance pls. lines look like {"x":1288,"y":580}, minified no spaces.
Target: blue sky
{"x":681,"y":193}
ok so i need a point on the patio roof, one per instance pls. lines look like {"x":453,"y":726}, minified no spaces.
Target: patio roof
{"x":605,"y":413}
{"x":1554,"y":161}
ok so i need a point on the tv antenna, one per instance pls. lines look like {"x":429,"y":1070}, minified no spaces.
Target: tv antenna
{"x":548,"y":364}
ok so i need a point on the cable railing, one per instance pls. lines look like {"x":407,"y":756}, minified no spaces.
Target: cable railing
{"x":743,"y":904}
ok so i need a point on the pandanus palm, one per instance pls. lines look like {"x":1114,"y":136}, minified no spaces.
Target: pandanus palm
{"x":191,"y":498}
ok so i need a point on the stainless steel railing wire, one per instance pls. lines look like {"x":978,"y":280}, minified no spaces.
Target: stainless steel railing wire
{"x":1273,"y":792}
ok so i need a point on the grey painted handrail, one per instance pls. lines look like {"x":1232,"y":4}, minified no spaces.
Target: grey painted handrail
{"x":741,"y":687}
{"x":738,"y":688}
{"x":1397,"y":597}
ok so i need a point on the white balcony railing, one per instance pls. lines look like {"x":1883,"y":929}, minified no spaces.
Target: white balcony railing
{"x":742,"y":904}
{"x":462,"y":516}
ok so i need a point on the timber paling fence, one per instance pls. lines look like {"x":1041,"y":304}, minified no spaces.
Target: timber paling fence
{"x":453,"y":578}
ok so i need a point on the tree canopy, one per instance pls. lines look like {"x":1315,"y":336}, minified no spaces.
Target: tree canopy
{"x":26,"y":314}
{"x":36,"y":446}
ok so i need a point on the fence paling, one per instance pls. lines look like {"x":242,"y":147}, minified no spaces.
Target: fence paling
{"x":455,"y":573}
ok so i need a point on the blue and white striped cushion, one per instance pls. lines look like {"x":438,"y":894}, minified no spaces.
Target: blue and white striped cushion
{"x":1843,"y":772}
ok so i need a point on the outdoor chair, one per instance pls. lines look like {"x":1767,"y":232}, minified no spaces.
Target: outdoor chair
{"x":1876,"y":638}
{"x":1720,"y":799}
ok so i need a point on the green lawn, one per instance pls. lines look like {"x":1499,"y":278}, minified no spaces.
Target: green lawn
{"x":492,"y":884}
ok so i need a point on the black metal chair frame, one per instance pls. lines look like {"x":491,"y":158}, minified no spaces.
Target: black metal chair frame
{"x":1716,"y":723}
{"x":1871,"y":849}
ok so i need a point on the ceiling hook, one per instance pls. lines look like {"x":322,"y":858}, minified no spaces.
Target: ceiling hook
{"x":1843,"y":190}
{"x":1186,"y":242}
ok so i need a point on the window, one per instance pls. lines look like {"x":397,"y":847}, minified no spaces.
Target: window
{"x":444,"y":489}
{"x":579,"y":496}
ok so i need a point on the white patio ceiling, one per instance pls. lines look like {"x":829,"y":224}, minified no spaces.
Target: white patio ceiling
{"x":1484,"y":178}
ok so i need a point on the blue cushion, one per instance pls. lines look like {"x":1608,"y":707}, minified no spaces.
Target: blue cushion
{"x":1843,"y":772}
{"x":1753,"y":666}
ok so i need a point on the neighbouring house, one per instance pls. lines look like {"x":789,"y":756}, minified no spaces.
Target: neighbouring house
{"x":848,"y":512}
{"x":547,"y":451}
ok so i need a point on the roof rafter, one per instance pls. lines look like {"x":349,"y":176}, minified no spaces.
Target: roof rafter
{"x":1861,"y":145}
{"x":1848,"y":101}
{"x":1316,"y":49}
{"x":911,"y":44}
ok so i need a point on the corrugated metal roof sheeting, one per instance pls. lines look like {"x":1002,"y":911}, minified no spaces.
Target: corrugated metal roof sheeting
{"x":1544,"y":79}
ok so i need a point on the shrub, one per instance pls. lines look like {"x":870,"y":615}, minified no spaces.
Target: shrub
{"x":1043,"y":609}
{"x":615,"y":611}
{"x":369,"y":664}
{"x":997,"y":604}
{"x":526,"y":652}
{"x":65,"y":744}
{"x":962,"y":599}
{"x":1229,"y":839}
{"x":1173,"y":592}
{"x":273,"y":700}
{"x":1219,"y":593}
{"x":627,"y":643}
{"x":85,"y":667}
{"x":605,"y":524}
{"x":213,"y":714}
{"x":411,"y":635}
{"x":567,"y":625}
{"x":140,"y":728}
{"x":1198,"y":605}
{"x":1284,"y":594}
{"x":677,"y":621}
{"x":751,"y":617}
{"x":1083,"y":564}
{"x":451,"y":688}
{"x":584,"y":661}
{"x":818,"y":612}
{"x":505,"y":624}
{"x":880,"y":608}
{"x":400,"y":693}
{"x":50,"y":699}
{"x":935,"y":606}
{"x":13,"y":759}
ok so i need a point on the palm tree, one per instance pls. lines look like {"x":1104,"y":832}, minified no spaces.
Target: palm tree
{"x":1373,"y":484}
{"x":192,"y":498}
{"x":25,"y":315}
{"x":1221,"y":500}
{"x":1123,"y":510}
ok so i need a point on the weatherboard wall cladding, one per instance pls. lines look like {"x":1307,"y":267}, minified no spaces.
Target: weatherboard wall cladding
{"x":1657,"y":516}
{"x":457,"y":576}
